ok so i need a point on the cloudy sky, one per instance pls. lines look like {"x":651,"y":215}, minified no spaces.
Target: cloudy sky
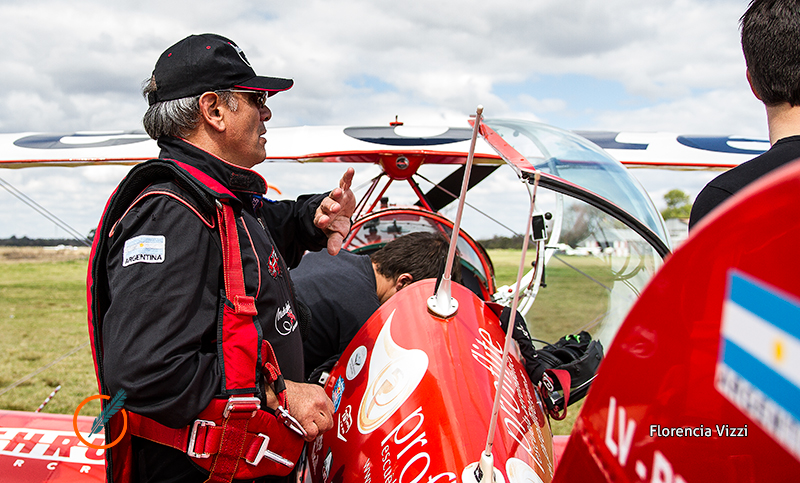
{"x":656,"y":65}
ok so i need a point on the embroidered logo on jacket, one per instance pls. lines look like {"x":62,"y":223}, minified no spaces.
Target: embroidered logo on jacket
{"x":285,"y":321}
{"x":273,"y":265}
{"x":144,"y":249}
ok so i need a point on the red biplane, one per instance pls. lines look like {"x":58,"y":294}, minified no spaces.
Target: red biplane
{"x":415,"y":390}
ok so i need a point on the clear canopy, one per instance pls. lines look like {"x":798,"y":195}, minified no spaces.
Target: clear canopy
{"x":577,"y":160}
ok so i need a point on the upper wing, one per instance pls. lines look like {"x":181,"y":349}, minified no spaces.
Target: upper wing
{"x":438,"y":145}
{"x":669,"y":150}
{"x":369,"y":144}
{"x":20,"y":150}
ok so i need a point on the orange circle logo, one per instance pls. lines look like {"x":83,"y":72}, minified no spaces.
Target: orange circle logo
{"x":98,"y":446}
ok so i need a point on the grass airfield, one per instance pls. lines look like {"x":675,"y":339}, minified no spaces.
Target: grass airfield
{"x":45,"y":338}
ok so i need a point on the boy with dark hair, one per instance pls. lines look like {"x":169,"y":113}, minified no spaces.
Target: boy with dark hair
{"x":338,"y":310}
{"x":412,"y":257}
{"x":771,"y":46}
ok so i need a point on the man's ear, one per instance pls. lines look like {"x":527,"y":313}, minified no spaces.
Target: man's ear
{"x":750,"y":81}
{"x":210,"y":104}
{"x":403,"y":280}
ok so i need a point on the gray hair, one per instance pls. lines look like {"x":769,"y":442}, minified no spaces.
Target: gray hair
{"x":177,"y":117}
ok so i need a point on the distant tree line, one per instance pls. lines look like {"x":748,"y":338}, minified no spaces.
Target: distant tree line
{"x":678,"y":205}
{"x":502,"y":242}
{"x":38,"y":242}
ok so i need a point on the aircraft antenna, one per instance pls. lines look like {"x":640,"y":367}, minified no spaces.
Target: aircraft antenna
{"x":484,"y":471}
{"x":441,"y":303}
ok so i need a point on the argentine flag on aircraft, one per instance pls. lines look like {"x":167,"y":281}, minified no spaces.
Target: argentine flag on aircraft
{"x":758,"y":369}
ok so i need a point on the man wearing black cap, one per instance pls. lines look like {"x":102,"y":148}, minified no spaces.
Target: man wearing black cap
{"x":192,"y":312}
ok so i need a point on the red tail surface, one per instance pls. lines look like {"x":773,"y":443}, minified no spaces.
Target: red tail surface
{"x":701,"y":382}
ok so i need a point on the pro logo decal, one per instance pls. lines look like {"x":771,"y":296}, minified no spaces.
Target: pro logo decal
{"x":394,"y":373}
{"x":338,"y":390}
{"x":144,"y":249}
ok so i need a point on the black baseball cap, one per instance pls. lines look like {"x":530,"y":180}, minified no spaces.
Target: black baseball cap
{"x":207,"y":62}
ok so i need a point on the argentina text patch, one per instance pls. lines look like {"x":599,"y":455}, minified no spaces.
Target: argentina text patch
{"x":144,"y":249}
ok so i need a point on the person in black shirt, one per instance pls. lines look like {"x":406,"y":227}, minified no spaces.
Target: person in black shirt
{"x":771,"y":46}
{"x":338,"y":310}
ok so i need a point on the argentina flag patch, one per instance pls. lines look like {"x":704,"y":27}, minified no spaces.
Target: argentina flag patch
{"x":144,"y":249}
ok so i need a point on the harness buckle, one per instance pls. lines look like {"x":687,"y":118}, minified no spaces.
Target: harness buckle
{"x":241,"y":404}
{"x":199,"y":423}
{"x":263,"y":452}
{"x":290,"y":421}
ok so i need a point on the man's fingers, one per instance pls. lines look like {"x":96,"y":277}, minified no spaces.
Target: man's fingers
{"x":347,"y":179}
{"x":333,"y":207}
{"x":333,"y":214}
{"x":309,"y":404}
{"x":335,"y":241}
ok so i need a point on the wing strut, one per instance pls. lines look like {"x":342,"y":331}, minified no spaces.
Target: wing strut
{"x":442,"y":195}
{"x":44,"y":212}
{"x":441,"y":303}
{"x":483,"y":471}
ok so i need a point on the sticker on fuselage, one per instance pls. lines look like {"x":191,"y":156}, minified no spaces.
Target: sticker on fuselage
{"x":336,"y":396}
{"x":394,"y":373}
{"x":356,"y":362}
{"x":326,"y":466}
{"x":758,"y":367}
{"x":144,"y":249}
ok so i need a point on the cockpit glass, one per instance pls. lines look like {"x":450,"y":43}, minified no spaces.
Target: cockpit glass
{"x":380,"y":230}
{"x":596,"y":269}
{"x":579,"y":161}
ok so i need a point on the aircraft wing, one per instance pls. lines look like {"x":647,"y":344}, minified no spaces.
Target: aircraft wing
{"x":677,"y":151}
{"x":369,"y":144}
{"x":351,"y":144}
{"x":19,"y":150}
{"x":45,"y":447}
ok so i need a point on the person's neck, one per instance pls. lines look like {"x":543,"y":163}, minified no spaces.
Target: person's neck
{"x":783,"y":120}
{"x":383,"y":285}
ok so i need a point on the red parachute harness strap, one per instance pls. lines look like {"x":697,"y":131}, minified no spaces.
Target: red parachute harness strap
{"x":231,"y":437}
{"x":556,"y":396}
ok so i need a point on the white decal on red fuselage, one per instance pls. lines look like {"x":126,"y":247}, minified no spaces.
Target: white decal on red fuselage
{"x":520,"y":418}
{"x":56,"y":446}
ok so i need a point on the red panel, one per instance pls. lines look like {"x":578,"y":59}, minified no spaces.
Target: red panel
{"x":36,"y":447}
{"x":659,"y":374}
{"x":413,"y":397}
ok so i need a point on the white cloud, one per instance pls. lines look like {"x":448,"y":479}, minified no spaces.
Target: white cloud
{"x":79,"y":65}
{"x":715,"y":112}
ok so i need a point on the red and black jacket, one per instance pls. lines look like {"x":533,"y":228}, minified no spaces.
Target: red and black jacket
{"x":156,"y":321}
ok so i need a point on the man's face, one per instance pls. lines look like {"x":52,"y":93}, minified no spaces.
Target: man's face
{"x":245,"y":128}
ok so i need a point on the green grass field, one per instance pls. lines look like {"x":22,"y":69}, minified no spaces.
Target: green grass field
{"x":42,"y":319}
{"x":43,"y":322}
{"x":568,"y":302}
